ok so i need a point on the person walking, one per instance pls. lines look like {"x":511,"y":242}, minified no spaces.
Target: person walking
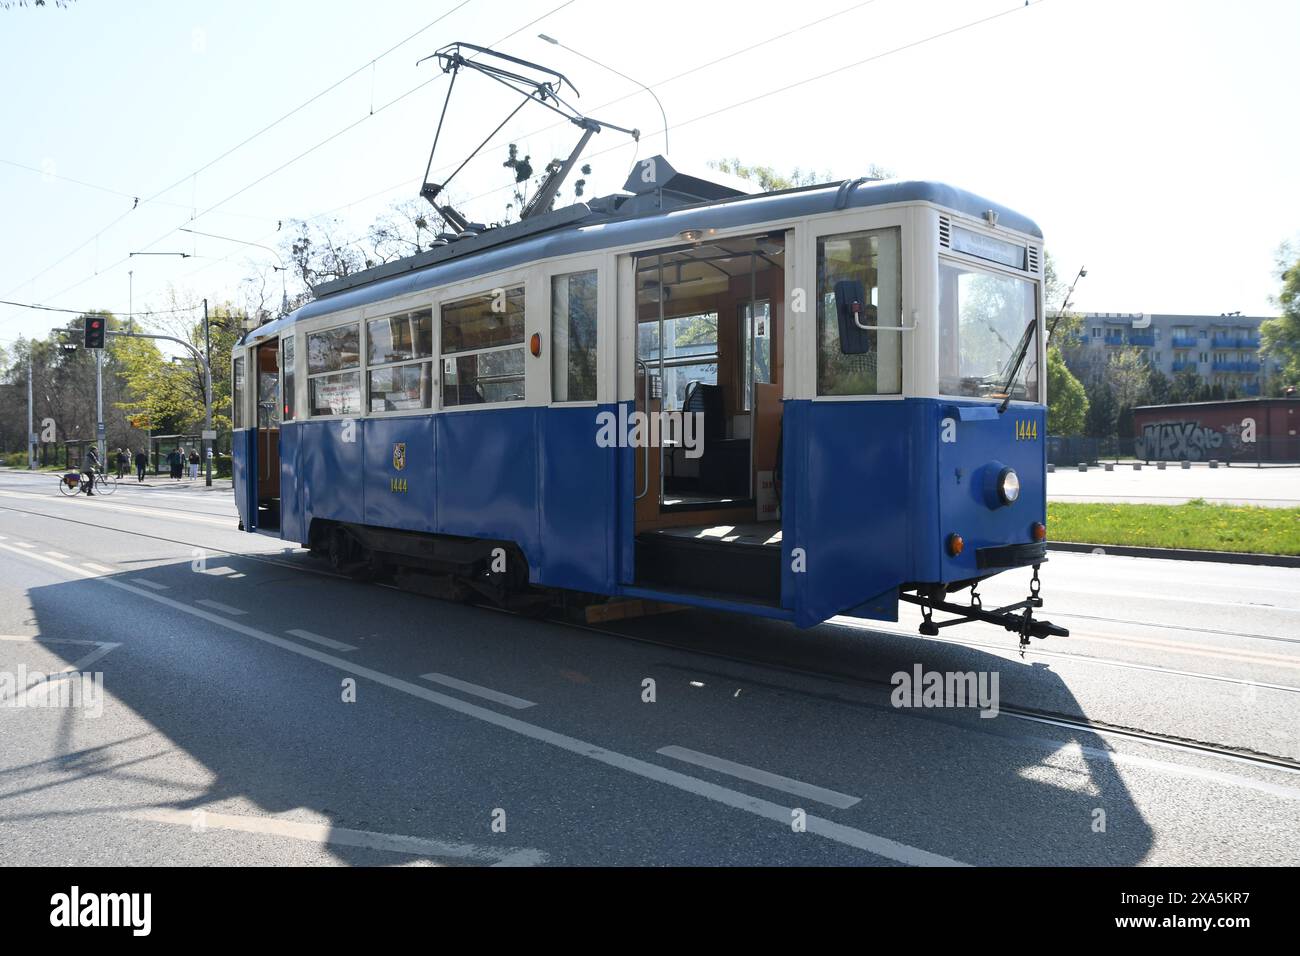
{"x":194,"y":463}
{"x":174,"y":463}
{"x":122,"y":460}
{"x":141,"y":463}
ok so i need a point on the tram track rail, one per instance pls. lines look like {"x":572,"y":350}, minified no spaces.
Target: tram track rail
{"x":1045,"y":717}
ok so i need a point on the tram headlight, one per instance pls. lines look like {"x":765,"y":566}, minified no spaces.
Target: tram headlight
{"x":1008,"y":486}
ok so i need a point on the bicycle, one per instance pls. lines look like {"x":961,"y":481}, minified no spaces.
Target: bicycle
{"x":75,"y":482}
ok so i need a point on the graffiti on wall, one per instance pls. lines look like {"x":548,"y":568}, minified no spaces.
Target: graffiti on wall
{"x":1176,"y":441}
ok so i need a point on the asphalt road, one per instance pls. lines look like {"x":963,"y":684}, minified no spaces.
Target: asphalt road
{"x":257,"y":710}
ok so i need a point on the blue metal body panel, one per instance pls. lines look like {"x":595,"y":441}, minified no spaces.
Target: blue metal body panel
{"x":968,"y":502}
{"x":486,"y":468}
{"x":405,"y":498}
{"x":533,"y":476}
{"x":847,"y":470}
{"x":243,"y":448}
{"x":292,"y":525}
{"x":578,"y":515}
{"x":871,"y":493}
{"x":331,"y":474}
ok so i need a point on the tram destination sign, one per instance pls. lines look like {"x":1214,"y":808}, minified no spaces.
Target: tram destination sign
{"x":986,"y":247}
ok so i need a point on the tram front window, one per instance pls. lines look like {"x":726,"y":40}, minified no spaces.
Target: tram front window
{"x":982,"y":318}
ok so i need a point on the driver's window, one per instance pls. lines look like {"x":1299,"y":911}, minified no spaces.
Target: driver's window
{"x":858,"y":306}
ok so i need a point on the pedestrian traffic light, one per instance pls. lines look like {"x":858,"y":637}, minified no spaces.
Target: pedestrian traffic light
{"x":94,"y":332}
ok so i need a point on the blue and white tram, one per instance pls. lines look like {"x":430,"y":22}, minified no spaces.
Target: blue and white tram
{"x":796,"y":404}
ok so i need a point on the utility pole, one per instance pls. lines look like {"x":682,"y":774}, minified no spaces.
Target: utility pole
{"x":99,"y":408}
{"x":31,"y":434}
{"x":207,"y":396}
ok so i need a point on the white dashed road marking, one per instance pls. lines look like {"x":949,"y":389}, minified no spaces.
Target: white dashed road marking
{"x":323,"y":641}
{"x":218,"y":606}
{"x":149,"y":584}
{"x":841,"y":801}
{"x":478,"y":690}
{"x":780,"y":815}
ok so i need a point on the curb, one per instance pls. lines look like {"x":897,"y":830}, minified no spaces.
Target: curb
{"x":1179,"y":554}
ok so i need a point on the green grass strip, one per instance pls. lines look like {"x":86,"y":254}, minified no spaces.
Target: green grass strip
{"x":1195,"y":525}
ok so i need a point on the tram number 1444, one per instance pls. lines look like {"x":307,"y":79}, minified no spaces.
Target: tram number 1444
{"x":1027,"y":430}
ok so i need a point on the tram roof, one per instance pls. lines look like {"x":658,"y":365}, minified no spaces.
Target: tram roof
{"x":601,"y":225}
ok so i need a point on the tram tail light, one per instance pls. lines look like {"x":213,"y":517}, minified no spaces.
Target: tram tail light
{"x":1038,"y":531}
{"x":956,"y":544}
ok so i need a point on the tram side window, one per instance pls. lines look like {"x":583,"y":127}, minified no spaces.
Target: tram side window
{"x":573,"y":337}
{"x":483,"y":349}
{"x":333,"y":389}
{"x":871,"y":261}
{"x":237,"y":393}
{"x":400,"y":361}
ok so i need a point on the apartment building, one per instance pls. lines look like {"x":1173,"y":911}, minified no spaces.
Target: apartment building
{"x":1221,"y":349}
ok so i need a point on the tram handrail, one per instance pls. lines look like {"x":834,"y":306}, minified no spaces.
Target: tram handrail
{"x":645,"y":371}
{"x":886,"y":328}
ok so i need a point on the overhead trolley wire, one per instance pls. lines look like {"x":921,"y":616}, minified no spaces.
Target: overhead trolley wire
{"x":228,"y":152}
{"x":350,"y":126}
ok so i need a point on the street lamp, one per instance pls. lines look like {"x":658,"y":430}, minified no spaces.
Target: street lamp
{"x":605,"y":66}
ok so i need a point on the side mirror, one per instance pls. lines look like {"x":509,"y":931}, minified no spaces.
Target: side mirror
{"x":854,"y":311}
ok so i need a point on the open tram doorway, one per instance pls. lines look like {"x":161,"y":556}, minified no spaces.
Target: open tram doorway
{"x":268,"y":411}
{"x":709,"y":371}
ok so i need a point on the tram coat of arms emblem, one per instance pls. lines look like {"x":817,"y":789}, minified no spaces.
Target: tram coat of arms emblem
{"x":399,"y":455}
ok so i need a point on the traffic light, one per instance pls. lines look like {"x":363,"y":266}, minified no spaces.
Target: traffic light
{"x":94,"y":332}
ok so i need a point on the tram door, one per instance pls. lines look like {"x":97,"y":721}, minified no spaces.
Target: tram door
{"x":707,"y":369}
{"x":268,"y":434}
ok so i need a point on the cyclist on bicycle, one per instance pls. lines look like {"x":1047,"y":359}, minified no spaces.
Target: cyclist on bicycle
{"x":89,"y":468}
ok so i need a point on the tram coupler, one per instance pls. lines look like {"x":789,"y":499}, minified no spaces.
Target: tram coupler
{"x":1018,"y":617}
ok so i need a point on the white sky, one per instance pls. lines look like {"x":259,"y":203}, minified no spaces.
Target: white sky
{"x":1154,"y":141}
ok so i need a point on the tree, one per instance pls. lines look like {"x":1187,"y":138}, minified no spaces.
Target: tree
{"x":1067,"y":403}
{"x":168,"y":394}
{"x":1103,"y":411}
{"x":1186,"y":385}
{"x":1281,"y":335}
{"x":1159,"y":388}
{"x":523,"y":173}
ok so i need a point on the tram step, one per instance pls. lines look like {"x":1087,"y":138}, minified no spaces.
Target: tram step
{"x":695,"y":566}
